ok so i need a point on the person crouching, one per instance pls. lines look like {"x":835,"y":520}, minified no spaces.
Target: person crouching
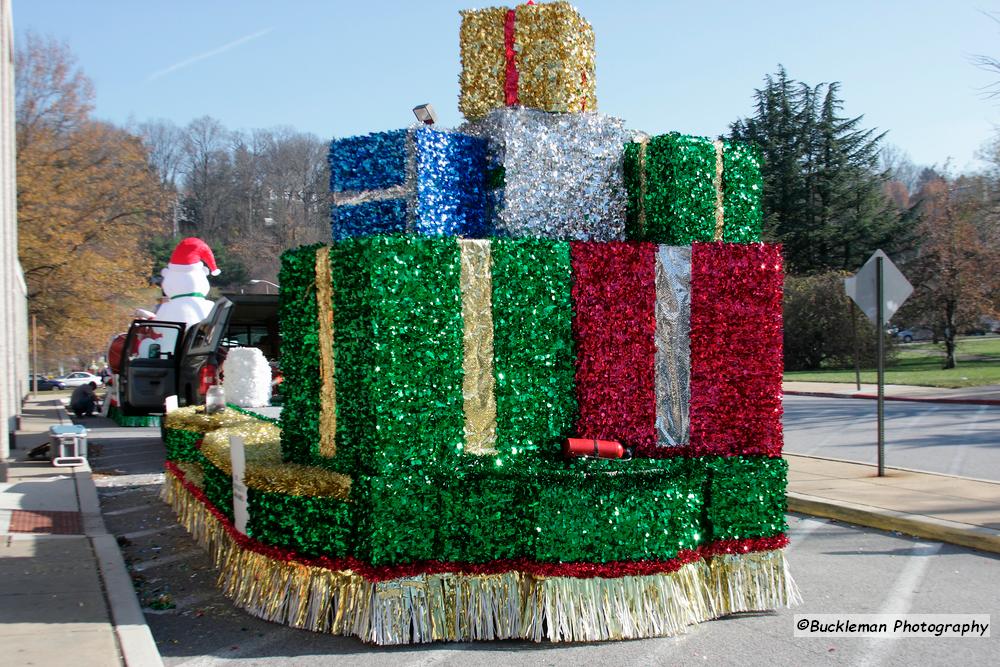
{"x":83,"y":401}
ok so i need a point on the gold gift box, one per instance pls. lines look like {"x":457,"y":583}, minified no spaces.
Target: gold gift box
{"x":539,"y":56}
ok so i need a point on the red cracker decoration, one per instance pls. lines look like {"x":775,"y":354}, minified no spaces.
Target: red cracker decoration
{"x":614,"y":322}
{"x":736,"y":352}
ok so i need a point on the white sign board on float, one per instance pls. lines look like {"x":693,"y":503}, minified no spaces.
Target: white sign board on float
{"x":238,"y":457}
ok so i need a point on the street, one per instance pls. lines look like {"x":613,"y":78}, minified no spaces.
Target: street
{"x":955,"y":439}
{"x":839,"y":569}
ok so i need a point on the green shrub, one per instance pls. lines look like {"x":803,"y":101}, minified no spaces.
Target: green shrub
{"x":818,"y":325}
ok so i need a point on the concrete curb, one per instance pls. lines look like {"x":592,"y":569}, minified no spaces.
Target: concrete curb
{"x":912,"y":399}
{"x":975,"y":537}
{"x":134,"y":637}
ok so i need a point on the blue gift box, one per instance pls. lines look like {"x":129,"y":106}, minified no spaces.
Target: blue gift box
{"x":420,"y":180}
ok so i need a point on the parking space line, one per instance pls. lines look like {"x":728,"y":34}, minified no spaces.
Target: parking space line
{"x":127,"y":510}
{"x":166,"y":560}
{"x":805,"y":528}
{"x":244,"y":650}
{"x":149,"y":531}
{"x":900,"y":600}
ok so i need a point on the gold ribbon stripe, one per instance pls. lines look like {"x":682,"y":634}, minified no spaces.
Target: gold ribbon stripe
{"x":643,"y":144}
{"x":717,"y":182}
{"x":328,"y":397}
{"x":478,"y":383}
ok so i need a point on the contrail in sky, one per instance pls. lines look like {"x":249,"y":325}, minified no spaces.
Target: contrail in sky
{"x":208,"y":54}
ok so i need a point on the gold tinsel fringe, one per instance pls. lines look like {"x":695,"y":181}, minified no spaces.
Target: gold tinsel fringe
{"x":458,"y":607}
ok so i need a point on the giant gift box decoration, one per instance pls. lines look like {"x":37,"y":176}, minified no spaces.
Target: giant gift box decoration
{"x":439,"y":353}
{"x":423,"y":180}
{"x":555,"y":176}
{"x":683,"y":189}
{"x":538,"y":56}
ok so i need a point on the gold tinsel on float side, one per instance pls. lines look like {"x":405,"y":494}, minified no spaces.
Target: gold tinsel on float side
{"x":265,"y":471}
{"x":193,"y":418}
{"x":463,"y":607}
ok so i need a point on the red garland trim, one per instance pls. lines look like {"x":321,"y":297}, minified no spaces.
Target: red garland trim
{"x":610,"y":570}
{"x":510,"y":82}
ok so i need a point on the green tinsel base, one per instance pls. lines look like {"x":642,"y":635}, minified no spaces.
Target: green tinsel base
{"x":120,"y":418}
{"x":454,"y":606}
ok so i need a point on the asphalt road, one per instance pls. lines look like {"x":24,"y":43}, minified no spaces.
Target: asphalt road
{"x":955,"y":439}
{"x":839,"y":569}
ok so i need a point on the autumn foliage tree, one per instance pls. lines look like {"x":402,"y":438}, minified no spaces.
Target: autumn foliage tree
{"x":954,"y":273}
{"x":86,"y":198}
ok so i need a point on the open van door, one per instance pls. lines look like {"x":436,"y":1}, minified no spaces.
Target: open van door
{"x":202,"y":354}
{"x":150,"y":358}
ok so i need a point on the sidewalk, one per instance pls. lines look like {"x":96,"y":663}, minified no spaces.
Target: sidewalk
{"x":66,"y":597}
{"x":939,"y":507}
{"x":986,"y":395}
{"x":944,"y":508}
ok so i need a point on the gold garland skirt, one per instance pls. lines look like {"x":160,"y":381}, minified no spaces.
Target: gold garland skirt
{"x":462,"y":607}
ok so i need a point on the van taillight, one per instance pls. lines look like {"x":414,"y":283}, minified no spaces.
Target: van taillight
{"x":207,"y":377}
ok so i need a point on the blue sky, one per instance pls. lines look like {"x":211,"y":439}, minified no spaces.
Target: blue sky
{"x":344,"y":68}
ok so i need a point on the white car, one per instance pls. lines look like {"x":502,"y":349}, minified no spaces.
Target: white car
{"x":78,"y":378}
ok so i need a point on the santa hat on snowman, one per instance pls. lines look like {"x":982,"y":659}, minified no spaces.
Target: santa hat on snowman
{"x":192,"y":254}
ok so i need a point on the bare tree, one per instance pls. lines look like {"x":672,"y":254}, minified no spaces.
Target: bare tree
{"x":897,"y":163}
{"x":165,"y":143}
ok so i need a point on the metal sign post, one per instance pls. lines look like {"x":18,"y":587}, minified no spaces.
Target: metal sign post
{"x":879,"y":289}
{"x":880,"y":332}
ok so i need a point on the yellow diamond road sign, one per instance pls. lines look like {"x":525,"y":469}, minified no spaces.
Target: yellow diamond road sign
{"x":862,"y":288}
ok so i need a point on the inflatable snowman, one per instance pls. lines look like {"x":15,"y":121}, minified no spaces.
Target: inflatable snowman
{"x":185,"y":283}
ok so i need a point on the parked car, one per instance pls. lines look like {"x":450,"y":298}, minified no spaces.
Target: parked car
{"x":44,"y":383}
{"x":915,"y":333}
{"x":79,"y":378}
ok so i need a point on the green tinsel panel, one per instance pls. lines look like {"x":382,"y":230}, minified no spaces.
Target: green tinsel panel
{"x":745,"y":497}
{"x":398,"y":344}
{"x":636,"y":510}
{"x":218,"y":488}
{"x":311,"y":526}
{"x":299,"y":355}
{"x":487,"y":514}
{"x":634,"y":231}
{"x":351,"y":337}
{"x":399,"y":516}
{"x":181,"y":445}
{"x":533,"y":346}
{"x":743,"y":188}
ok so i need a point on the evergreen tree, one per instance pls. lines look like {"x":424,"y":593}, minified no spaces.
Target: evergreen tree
{"x":824,"y":195}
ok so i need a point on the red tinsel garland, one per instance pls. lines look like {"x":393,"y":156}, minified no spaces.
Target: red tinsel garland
{"x":579,"y":570}
{"x":511,"y":75}
{"x":614,"y":324}
{"x":736,"y":349}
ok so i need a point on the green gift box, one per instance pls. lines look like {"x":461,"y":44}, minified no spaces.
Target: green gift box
{"x":683,"y":189}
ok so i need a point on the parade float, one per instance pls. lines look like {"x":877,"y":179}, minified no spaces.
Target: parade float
{"x":498,"y":299}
